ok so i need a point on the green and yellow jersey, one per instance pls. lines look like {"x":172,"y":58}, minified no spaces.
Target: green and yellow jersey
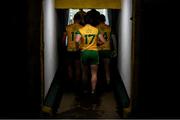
{"x":71,"y":33}
{"x":89,"y":37}
{"x":106,"y":30}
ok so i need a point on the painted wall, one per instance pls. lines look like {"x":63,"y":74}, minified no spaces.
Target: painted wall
{"x":50,"y":43}
{"x":97,"y":4}
{"x":124,"y":44}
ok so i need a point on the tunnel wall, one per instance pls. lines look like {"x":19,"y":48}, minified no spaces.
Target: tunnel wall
{"x":157,"y":59}
{"x":124,"y":44}
{"x":20,"y":64}
{"x":50,"y":43}
{"x":97,"y":4}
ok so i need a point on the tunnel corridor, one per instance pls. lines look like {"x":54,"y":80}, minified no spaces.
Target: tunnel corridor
{"x":155,"y":66}
{"x":109,"y":103}
{"x":60,"y":98}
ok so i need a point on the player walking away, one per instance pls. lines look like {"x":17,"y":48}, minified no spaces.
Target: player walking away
{"x":89,"y":36}
{"x":105,"y":50}
{"x":73,"y":56}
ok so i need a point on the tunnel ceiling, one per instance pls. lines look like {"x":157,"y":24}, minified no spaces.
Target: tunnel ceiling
{"x":98,"y":4}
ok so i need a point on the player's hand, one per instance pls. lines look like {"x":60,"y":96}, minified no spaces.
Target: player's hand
{"x":114,"y":54}
{"x":79,"y":49}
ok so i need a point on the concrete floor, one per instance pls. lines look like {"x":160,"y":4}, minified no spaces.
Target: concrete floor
{"x":105,"y":110}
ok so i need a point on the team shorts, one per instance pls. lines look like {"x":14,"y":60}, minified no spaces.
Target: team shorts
{"x":105,"y":53}
{"x":89,"y":57}
{"x":71,"y":56}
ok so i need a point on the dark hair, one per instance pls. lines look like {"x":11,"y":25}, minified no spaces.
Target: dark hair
{"x":92,"y":17}
{"x":102,"y":18}
{"x":77,"y":17}
{"x":88,"y":18}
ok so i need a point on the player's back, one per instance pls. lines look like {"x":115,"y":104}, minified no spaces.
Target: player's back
{"x":89,"y":35}
{"x":106,"y":30}
{"x":71,"y":33}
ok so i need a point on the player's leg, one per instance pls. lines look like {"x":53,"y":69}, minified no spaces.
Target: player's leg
{"x":78,"y":69}
{"x":94,"y":69}
{"x":106,"y":62}
{"x":84,"y":66}
{"x":85,"y":77}
{"x":94,"y":61}
{"x":77,"y":81}
{"x":70,"y":75}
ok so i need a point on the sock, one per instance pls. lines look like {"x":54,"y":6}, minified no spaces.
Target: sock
{"x":92,"y":92}
{"x":108,"y":82}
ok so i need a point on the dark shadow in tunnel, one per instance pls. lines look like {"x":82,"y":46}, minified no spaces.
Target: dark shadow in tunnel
{"x":78,"y":112}
{"x":60,"y":85}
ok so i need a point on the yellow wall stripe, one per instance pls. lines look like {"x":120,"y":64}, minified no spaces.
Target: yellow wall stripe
{"x":98,"y":4}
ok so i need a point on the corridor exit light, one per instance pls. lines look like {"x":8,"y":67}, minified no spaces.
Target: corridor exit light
{"x":72,"y":12}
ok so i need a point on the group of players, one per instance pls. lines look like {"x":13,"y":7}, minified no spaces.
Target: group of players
{"x":89,"y":41}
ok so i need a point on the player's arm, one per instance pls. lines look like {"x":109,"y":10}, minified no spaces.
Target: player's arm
{"x":114,"y":43}
{"x":64,"y":38}
{"x":78,"y":39}
{"x":101,"y":39}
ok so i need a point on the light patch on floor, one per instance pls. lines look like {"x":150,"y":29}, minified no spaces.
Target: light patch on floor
{"x":108,"y":106}
{"x":106,"y":110}
{"x":66,"y":103}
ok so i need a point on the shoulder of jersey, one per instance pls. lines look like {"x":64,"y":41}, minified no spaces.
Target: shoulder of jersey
{"x":106,"y":25}
{"x":89,"y":26}
{"x":80,"y":25}
{"x":68,"y":26}
{"x":93,"y":27}
{"x":102,"y":25}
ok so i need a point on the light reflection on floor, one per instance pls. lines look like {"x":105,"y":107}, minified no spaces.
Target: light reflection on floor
{"x":106,"y":109}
